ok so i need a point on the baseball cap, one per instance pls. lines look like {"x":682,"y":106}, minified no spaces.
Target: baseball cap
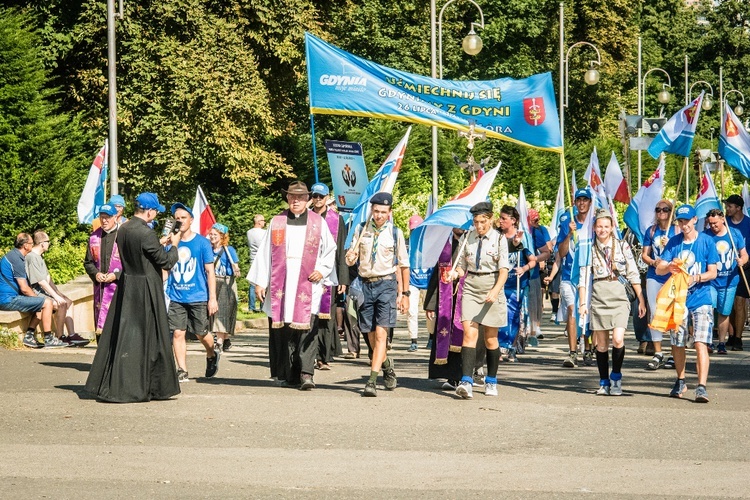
{"x":178,"y":206}
{"x":583,"y":193}
{"x":108,"y":209}
{"x":685,"y":212}
{"x":414,"y":221}
{"x":116,"y":199}
{"x":221,"y":228}
{"x":320,"y":188}
{"x":148,"y":201}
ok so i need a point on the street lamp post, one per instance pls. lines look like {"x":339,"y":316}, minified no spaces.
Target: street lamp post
{"x":663,"y":96}
{"x":112,"y":15}
{"x":472,"y":45}
{"x":591,"y":77}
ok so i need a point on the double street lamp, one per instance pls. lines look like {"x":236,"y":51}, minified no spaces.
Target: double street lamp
{"x":591,"y":77}
{"x":472,"y":45}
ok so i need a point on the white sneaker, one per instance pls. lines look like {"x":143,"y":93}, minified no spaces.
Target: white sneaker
{"x":616,"y":388}
{"x":464,"y":390}
{"x":490,"y":389}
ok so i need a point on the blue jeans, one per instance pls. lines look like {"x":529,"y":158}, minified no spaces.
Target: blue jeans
{"x":251,"y":297}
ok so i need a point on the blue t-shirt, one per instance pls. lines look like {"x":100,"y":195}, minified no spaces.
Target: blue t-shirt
{"x":540,"y":235}
{"x":657,"y":239}
{"x":517,"y":259}
{"x":744,"y":228}
{"x":187,"y":279}
{"x":696,"y":255}
{"x":727,"y":272}
{"x":224,"y":266}
{"x":562,"y":232}
{"x":12,"y":266}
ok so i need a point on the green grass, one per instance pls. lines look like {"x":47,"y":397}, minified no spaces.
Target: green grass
{"x":9,"y":339}
{"x":243,"y":314}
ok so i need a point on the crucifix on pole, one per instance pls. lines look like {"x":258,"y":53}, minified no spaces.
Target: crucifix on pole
{"x":470,"y":164}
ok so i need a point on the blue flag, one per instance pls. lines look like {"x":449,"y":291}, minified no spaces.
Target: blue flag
{"x":677,"y":135}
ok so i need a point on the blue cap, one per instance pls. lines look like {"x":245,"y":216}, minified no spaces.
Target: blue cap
{"x":582,"y":193}
{"x":320,"y":188}
{"x":221,"y":228}
{"x":685,"y":212}
{"x":178,"y":206}
{"x":108,"y":209}
{"x":382,"y":198}
{"x":116,"y":199}
{"x":148,"y":201}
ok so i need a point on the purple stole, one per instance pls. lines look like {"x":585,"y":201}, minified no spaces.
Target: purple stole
{"x":103,"y":292}
{"x":277,"y":289}
{"x":450,"y":332}
{"x":332,"y":219}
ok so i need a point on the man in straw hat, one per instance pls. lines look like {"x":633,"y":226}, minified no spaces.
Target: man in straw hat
{"x":290,"y":272}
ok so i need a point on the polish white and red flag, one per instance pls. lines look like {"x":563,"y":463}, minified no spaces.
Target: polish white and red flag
{"x":203,"y":218}
{"x":614,"y":182}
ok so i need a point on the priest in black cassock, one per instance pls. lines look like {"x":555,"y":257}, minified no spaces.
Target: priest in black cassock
{"x":134,"y":360}
{"x":440,"y":302}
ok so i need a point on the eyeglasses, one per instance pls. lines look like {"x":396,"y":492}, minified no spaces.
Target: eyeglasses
{"x":46,"y":241}
{"x":664,"y":210}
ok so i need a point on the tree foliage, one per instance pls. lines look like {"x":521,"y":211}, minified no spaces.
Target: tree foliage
{"x":42,"y":149}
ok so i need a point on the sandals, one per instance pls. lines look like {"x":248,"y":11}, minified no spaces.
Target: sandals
{"x":669,"y":363}
{"x":657,"y":362}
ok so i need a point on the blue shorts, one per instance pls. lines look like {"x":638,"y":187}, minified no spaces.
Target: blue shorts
{"x":379,"y":305}
{"x":725,"y":300}
{"x":24,"y":304}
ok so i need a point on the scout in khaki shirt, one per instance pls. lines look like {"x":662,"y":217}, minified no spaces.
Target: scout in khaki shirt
{"x":384,"y":270}
{"x":484,"y":261}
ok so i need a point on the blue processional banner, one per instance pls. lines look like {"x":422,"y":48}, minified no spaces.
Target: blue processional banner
{"x":348,"y":173}
{"x":520,"y":111}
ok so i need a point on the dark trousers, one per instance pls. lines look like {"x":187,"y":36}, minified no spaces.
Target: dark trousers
{"x":351,"y":333}
{"x":292,"y":351}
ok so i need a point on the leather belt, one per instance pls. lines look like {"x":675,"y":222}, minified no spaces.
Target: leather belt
{"x":387,"y":277}
{"x":609,"y":278}
{"x":474,"y":273}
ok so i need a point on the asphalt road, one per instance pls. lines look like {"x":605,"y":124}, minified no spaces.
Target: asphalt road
{"x":240,"y":435}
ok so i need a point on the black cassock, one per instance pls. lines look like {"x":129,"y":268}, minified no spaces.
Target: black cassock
{"x":134,"y":360}
{"x":452,"y":369}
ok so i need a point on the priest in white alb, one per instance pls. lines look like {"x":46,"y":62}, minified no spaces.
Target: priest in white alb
{"x":293,"y":265}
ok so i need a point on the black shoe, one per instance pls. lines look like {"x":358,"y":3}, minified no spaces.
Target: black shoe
{"x":182,"y":375}
{"x":212,"y":364}
{"x":227,"y":345}
{"x":737,"y":346}
{"x":370,"y":390}
{"x":307,"y":382}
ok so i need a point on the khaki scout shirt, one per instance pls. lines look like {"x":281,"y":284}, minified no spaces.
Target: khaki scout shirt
{"x":494,"y":252}
{"x":383,"y":264}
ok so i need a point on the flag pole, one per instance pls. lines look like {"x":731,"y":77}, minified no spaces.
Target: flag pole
{"x":734,"y":249}
{"x":461,"y":247}
{"x":564,"y":174}
{"x":676,"y":197}
{"x":314,"y":147}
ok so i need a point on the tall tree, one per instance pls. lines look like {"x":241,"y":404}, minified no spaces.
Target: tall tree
{"x":42,"y":150}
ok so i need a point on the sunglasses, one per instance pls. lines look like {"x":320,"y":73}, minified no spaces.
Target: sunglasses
{"x":317,"y":196}
{"x":664,"y":210}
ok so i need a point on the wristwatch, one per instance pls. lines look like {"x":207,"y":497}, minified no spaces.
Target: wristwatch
{"x":406,"y":293}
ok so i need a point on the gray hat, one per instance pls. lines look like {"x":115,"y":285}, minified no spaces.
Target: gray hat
{"x":483,"y":207}
{"x":382,"y":198}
